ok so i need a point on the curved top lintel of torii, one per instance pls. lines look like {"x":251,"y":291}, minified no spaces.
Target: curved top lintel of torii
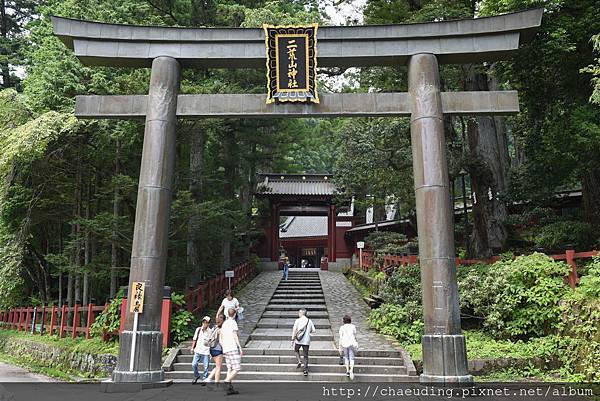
{"x":457,"y":41}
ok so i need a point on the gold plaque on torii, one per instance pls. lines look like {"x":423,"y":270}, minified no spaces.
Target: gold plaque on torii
{"x":291,"y":63}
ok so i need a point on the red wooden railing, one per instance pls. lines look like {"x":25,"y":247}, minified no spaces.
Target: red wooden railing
{"x":77,"y":320}
{"x":210,"y":292}
{"x":52,"y":319}
{"x":395,"y":261}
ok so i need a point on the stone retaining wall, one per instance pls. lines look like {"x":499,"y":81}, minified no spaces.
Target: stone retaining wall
{"x":97,"y":365}
{"x":480,"y":367}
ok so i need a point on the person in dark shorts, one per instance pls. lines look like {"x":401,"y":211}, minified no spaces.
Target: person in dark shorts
{"x":216,"y":352}
{"x":303,"y":328}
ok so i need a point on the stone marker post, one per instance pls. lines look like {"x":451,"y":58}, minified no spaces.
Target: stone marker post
{"x":149,"y":249}
{"x":444,"y":351}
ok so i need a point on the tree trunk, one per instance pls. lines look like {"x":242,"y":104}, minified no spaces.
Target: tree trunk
{"x":246,"y":195}
{"x":488,"y":170}
{"x":86,"y":252}
{"x":4,"y":67}
{"x":193,"y":248}
{"x":70,"y":290}
{"x":229,"y":160}
{"x":114,"y":248}
{"x":591,"y":195}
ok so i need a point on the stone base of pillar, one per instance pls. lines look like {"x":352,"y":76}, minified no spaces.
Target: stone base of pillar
{"x":147,"y":367}
{"x":445,"y":359}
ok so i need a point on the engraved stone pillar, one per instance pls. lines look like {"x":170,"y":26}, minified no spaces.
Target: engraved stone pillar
{"x":444,"y":352}
{"x":149,"y":249}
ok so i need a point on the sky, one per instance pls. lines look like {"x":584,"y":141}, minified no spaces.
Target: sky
{"x":347,"y":9}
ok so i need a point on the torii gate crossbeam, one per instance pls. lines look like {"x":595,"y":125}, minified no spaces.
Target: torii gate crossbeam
{"x":420,"y":46}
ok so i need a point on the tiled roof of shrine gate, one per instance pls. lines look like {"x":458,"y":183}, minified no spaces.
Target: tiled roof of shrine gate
{"x":296,"y":184}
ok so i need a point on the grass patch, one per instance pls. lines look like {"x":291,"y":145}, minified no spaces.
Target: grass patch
{"x":79,"y":344}
{"x":483,"y":346}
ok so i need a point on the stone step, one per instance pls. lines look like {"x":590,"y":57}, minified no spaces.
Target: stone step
{"x":278,"y":314}
{"x":292,"y":279}
{"x":299,"y":291}
{"x":305,"y":294}
{"x":313,"y":367}
{"x":304,"y":300}
{"x":289,"y":323}
{"x":314,"y":360}
{"x":284,"y":334}
{"x":320,"y":352}
{"x":295,"y":307}
{"x":284,"y":347}
{"x":300,"y":295}
{"x":297,"y":376}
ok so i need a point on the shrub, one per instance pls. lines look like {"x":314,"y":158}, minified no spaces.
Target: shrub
{"x":519,"y":297}
{"x":580,"y":324}
{"x":379,"y":239}
{"x":182,"y":321}
{"x":404,"y":285}
{"x":109,"y":320}
{"x":399,"y":321}
{"x":555,"y":236}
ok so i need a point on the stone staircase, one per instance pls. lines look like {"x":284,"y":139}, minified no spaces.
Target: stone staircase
{"x":268,"y":354}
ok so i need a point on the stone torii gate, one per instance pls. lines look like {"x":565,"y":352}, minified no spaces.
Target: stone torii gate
{"x":420,"y":46}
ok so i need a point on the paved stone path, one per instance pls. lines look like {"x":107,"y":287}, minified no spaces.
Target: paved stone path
{"x":342,"y":298}
{"x":12,"y":373}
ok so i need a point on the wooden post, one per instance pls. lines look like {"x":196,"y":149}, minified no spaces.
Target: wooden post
{"x":90,"y":320}
{"x":27,"y":319}
{"x":52,"y":319}
{"x":75,"y":321}
{"x":165,"y":320}
{"x":190,"y":301}
{"x":43,"y":321}
{"x":123,"y":315}
{"x":573,"y":279}
{"x":199,"y":300}
{"x":63,"y":320}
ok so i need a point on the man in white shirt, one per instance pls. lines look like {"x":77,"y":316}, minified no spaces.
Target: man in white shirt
{"x":201,"y":351}
{"x":232,"y":350}
{"x":229,"y":302}
{"x":303,"y":328}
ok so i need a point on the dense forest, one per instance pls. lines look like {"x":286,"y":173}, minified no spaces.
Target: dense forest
{"x":68,"y":186}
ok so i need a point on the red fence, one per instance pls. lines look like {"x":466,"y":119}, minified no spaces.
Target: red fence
{"x":569,"y":256}
{"x":210,"y":292}
{"x":52,"y":320}
{"x":77,"y":320}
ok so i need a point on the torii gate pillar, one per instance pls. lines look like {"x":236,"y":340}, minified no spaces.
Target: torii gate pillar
{"x":151,"y":230}
{"x":444,"y":351}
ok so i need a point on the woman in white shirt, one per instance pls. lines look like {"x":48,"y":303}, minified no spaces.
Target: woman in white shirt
{"x":348,"y":345}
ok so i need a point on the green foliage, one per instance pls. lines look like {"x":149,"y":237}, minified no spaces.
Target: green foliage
{"x":109,"y":320}
{"x":594,"y":69}
{"x":398,"y":321}
{"x":516,"y":298}
{"x":557,"y":235}
{"x":12,"y":283}
{"x":377,"y":240}
{"x":182,"y":322}
{"x":403,"y":286}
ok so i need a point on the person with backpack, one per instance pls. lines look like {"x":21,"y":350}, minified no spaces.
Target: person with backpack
{"x":200,"y":349}
{"x":303,"y":328}
{"x":348,"y":344}
{"x":216,"y":351}
{"x":232,"y":350}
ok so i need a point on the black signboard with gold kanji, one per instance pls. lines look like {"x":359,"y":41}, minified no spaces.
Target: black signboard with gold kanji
{"x":291,"y":63}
